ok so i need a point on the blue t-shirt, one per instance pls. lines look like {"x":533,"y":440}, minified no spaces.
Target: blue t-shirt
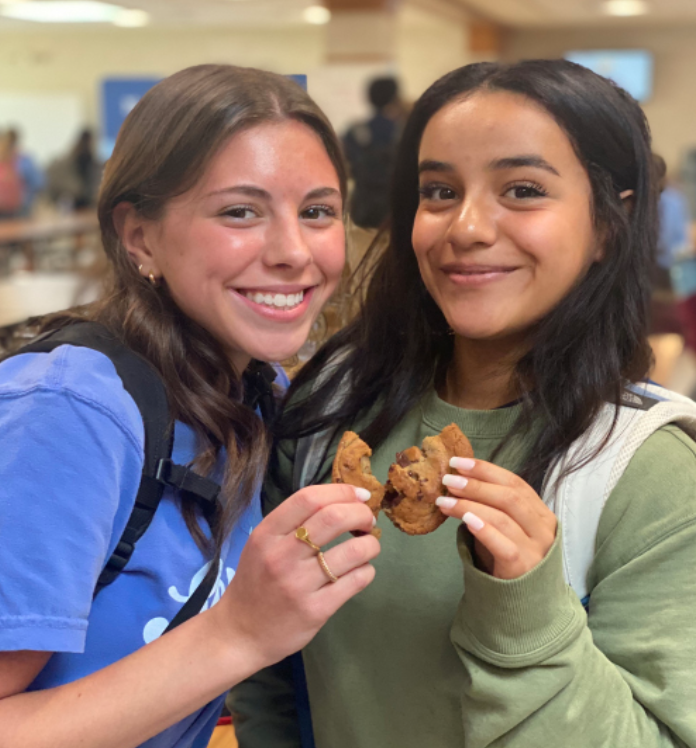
{"x":70,"y":468}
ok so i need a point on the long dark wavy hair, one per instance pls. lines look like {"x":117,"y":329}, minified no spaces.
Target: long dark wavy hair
{"x":582,"y":353}
{"x":162,"y":150}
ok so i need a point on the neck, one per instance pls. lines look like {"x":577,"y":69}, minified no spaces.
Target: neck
{"x":480,"y":375}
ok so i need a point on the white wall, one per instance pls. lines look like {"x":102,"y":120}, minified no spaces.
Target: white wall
{"x":70,"y":63}
{"x":73,"y":62}
{"x":672,"y":108}
{"x":428,"y":46}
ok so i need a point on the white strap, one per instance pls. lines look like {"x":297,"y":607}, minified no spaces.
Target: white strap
{"x":578,"y":500}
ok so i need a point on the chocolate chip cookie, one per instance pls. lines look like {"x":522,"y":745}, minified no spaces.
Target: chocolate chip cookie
{"x":415,"y":481}
{"x":352,"y":465}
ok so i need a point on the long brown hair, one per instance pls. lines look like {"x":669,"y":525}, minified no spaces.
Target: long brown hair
{"x":162,"y":150}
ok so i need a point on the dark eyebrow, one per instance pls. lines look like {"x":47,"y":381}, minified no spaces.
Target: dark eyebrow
{"x":514,"y":162}
{"x":430,"y":165}
{"x":251,"y":191}
{"x":244,"y":189}
{"x":322,"y":192}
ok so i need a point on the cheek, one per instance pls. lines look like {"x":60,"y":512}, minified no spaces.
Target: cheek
{"x":330,"y":255}
{"x":426,"y":231}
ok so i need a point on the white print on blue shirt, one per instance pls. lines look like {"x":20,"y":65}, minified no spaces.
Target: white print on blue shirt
{"x":156,"y":627}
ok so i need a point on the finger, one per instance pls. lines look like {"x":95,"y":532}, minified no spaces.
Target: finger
{"x":502,"y":522}
{"x":525,"y":509}
{"x":351,"y":554}
{"x":487,"y":472}
{"x":299,"y":507}
{"x":506,"y":552}
{"x":333,"y":520}
{"x":334,"y":596}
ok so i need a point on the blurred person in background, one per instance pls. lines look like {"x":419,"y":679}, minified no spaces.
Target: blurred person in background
{"x":31,"y":174}
{"x":370,"y":148}
{"x":12,"y":188}
{"x":73,"y":180}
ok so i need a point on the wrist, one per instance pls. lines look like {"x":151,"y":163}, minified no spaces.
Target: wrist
{"x":239,"y":652}
{"x":512,"y":620}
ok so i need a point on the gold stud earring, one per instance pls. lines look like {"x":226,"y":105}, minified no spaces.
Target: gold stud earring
{"x":152,"y":278}
{"x":140,"y":267}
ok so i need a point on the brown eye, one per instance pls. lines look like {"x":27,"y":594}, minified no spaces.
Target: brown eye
{"x":525,"y":191}
{"x":316,"y":212}
{"x":239,"y":212}
{"x":437,"y":192}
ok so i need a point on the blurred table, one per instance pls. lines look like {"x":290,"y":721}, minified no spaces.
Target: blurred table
{"x":27,"y":233}
{"x":25,"y":295}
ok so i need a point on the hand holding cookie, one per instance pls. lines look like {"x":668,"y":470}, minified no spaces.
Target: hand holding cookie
{"x":415,"y":480}
{"x":512,"y":527}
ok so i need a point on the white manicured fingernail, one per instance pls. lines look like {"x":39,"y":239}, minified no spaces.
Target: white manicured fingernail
{"x":462,"y":463}
{"x":362,"y":493}
{"x":374,"y":521}
{"x":446,"y":502}
{"x":472,"y":521}
{"x":454,"y":481}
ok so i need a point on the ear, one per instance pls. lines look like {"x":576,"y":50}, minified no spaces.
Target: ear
{"x":627,"y":199}
{"x":135,"y":233}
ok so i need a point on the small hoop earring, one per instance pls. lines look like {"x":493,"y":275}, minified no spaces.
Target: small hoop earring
{"x":152,"y":278}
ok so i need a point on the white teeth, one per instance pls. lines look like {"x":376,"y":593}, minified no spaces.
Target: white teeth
{"x":278,"y":301}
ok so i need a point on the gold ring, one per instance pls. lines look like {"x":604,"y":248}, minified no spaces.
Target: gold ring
{"x":325,"y":568}
{"x":302,"y":534}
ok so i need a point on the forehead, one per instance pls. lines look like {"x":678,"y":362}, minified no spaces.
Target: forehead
{"x":272,"y":151}
{"x":491,"y":125}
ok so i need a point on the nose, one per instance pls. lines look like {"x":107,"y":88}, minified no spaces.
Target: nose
{"x":287,"y":245}
{"x":474,"y":226}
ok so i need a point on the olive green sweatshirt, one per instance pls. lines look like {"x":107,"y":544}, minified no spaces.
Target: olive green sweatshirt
{"x":437,"y":654}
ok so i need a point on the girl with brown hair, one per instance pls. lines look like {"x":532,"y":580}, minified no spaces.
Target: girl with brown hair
{"x":221,"y":215}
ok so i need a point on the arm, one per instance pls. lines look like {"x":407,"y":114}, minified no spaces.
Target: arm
{"x":275,"y":604}
{"x":277,"y":600}
{"x":542,"y":674}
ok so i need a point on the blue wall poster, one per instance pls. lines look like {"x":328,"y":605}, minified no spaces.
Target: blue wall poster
{"x":119,"y":96}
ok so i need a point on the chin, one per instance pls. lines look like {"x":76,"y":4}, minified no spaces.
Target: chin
{"x":275,"y":353}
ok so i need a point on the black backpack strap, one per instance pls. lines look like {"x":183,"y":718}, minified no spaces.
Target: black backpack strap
{"x":258,"y":391}
{"x":146,"y":388}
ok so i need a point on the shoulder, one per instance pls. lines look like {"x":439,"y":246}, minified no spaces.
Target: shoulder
{"x":75,"y":381}
{"x":655,"y":496}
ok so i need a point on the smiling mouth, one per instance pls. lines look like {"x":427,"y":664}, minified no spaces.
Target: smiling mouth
{"x":275,"y":300}
{"x":478,"y":270}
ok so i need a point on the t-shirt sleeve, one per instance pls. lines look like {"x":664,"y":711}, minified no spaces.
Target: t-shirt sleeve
{"x":70,"y":467}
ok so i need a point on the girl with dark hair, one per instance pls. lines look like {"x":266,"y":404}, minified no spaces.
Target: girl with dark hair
{"x":511,"y":300}
{"x":221,"y":215}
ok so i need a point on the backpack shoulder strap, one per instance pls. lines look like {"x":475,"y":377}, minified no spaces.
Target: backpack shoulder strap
{"x":146,"y":388}
{"x":579,"y":498}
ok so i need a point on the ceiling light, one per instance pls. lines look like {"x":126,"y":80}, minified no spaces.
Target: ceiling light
{"x":132,"y":18}
{"x":317,"y":14}
{"x":63,"y":11}
{"x":625,"y":7}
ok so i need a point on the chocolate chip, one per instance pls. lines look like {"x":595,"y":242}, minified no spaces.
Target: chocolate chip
{"x":391,"y":498}
{"x":402,"y":460}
